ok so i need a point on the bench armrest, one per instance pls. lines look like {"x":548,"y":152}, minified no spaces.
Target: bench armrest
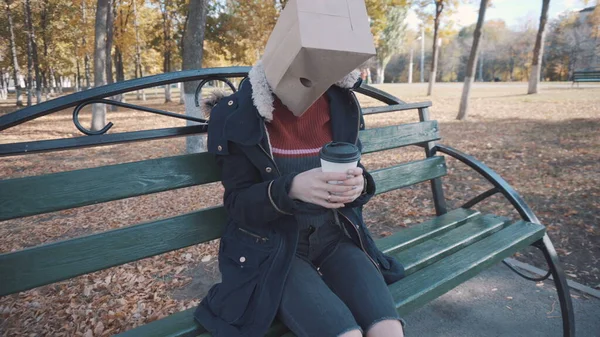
{"x":499,"y":183}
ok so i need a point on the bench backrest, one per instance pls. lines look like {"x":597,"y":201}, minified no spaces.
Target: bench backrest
{"x":583,"y":75}
{"x":49,"y":263}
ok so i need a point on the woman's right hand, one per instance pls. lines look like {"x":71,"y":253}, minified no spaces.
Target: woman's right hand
{"x":311,"y":186}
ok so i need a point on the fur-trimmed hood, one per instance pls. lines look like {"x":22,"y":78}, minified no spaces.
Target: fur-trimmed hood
{"x":262,"y":94}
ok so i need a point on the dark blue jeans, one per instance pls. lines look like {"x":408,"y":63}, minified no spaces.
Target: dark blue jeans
{"x":346,"y":293}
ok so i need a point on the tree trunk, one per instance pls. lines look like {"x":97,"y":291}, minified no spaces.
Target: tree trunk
{"x":379,"y":71}
{"x":464,"y":100}
{"x":481,"y":67}
{"x":410,"y":67}
{"x":13,"y":53}
{"x":110,"y":20}
{"x":29,"y":83}
{"x":3,"y":85}
{"x":99,"y":110}
{"x":120,"y":71}
{"x":52,"y":83}
{"x":118,"y":58}
{"x":34,"y":53}
{"x":193,"y":41}
{"x":439,"y":7}
{"x":78,"y":74}
{"x":45,"y":83}
{"x":141,"y":95}
{"x":167,"y":47}
{"x":61,"y":80}
{"x":538,"y":51}
{"x":86,"y":58}
{"x":181,"y":95}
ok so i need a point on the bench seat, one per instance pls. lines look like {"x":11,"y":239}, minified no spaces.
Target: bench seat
{"x":438,"y":255}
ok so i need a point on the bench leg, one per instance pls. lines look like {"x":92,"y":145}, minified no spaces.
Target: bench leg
{"x":560,"y":280}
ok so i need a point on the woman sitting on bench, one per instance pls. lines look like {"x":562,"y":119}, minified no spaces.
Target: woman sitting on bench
{"x":295,"y":246}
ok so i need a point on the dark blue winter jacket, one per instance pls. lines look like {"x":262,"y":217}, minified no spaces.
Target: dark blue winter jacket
{"x":261,"y":234}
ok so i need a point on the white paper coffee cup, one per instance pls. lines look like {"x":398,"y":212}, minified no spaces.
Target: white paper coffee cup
{"x":339,"y":157}
{"x":327,"y":166}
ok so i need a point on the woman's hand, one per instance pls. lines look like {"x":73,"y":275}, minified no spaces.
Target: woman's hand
{"x":312,"y":186}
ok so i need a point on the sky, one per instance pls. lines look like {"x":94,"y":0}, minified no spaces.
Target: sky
{"x":514,"y":12}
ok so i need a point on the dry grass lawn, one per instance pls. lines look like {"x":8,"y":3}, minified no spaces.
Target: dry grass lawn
{"x":545,"y":145}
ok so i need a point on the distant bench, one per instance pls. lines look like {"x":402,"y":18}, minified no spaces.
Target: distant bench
{"x":586,"y":76}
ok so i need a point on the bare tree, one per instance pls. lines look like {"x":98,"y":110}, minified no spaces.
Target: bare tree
{"x":193,"y":41}
{"x":538,"y":51}
{"x":13,"y":52}
{"x":99,"y":110}
{"x":439,"y":7}
{"x":464,"y":100}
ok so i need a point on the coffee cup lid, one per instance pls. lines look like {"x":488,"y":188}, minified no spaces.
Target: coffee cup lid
{"x":340,"y":152}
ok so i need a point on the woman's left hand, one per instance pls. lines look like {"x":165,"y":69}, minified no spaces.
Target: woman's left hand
{"x":355,"y":178}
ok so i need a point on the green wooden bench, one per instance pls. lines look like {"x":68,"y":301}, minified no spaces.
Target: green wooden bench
{"x":587,"y":75}
{"x":439,"y":254}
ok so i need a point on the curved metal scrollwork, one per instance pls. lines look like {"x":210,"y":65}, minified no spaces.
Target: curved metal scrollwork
{"x":124,"y":105}
{"x":206,"y":80}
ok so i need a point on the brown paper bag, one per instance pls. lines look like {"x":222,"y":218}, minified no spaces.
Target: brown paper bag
{"x":314,"y":44}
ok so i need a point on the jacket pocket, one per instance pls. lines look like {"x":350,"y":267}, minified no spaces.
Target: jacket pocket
{"x":253,"y":237}
{"x":240,"y":265}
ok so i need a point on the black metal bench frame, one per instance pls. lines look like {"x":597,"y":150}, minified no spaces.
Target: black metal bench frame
{"x":98,"y":95}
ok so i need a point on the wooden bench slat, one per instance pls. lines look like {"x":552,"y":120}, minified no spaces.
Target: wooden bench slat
{"x":33,"y":267}
{"x":407,"y":174}
{"x":182,"y":324}
{"x":390,"y":137}
{"x":430,"y":251}
{"x":424,"y":231}
{"x":395,"y":107}
{"x":422,"y":287}
{"x":52,"y":192}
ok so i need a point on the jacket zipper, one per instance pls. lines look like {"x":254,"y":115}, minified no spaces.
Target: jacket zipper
{"x":258,"y":237}
{"x":354,"y":226}
{"x":359,"y":239}
{"x":335,"y":212}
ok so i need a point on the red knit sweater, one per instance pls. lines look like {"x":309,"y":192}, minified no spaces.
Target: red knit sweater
{"x":294,"y":137}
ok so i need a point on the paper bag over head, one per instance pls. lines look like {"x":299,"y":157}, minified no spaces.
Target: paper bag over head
{"x":314,"y":44}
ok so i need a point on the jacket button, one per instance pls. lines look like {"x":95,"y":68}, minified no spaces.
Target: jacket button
{"x":268,"y":169}
{"x":230,"y":102}
{"x":242,"y":259}
{"x":220,"y":148}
